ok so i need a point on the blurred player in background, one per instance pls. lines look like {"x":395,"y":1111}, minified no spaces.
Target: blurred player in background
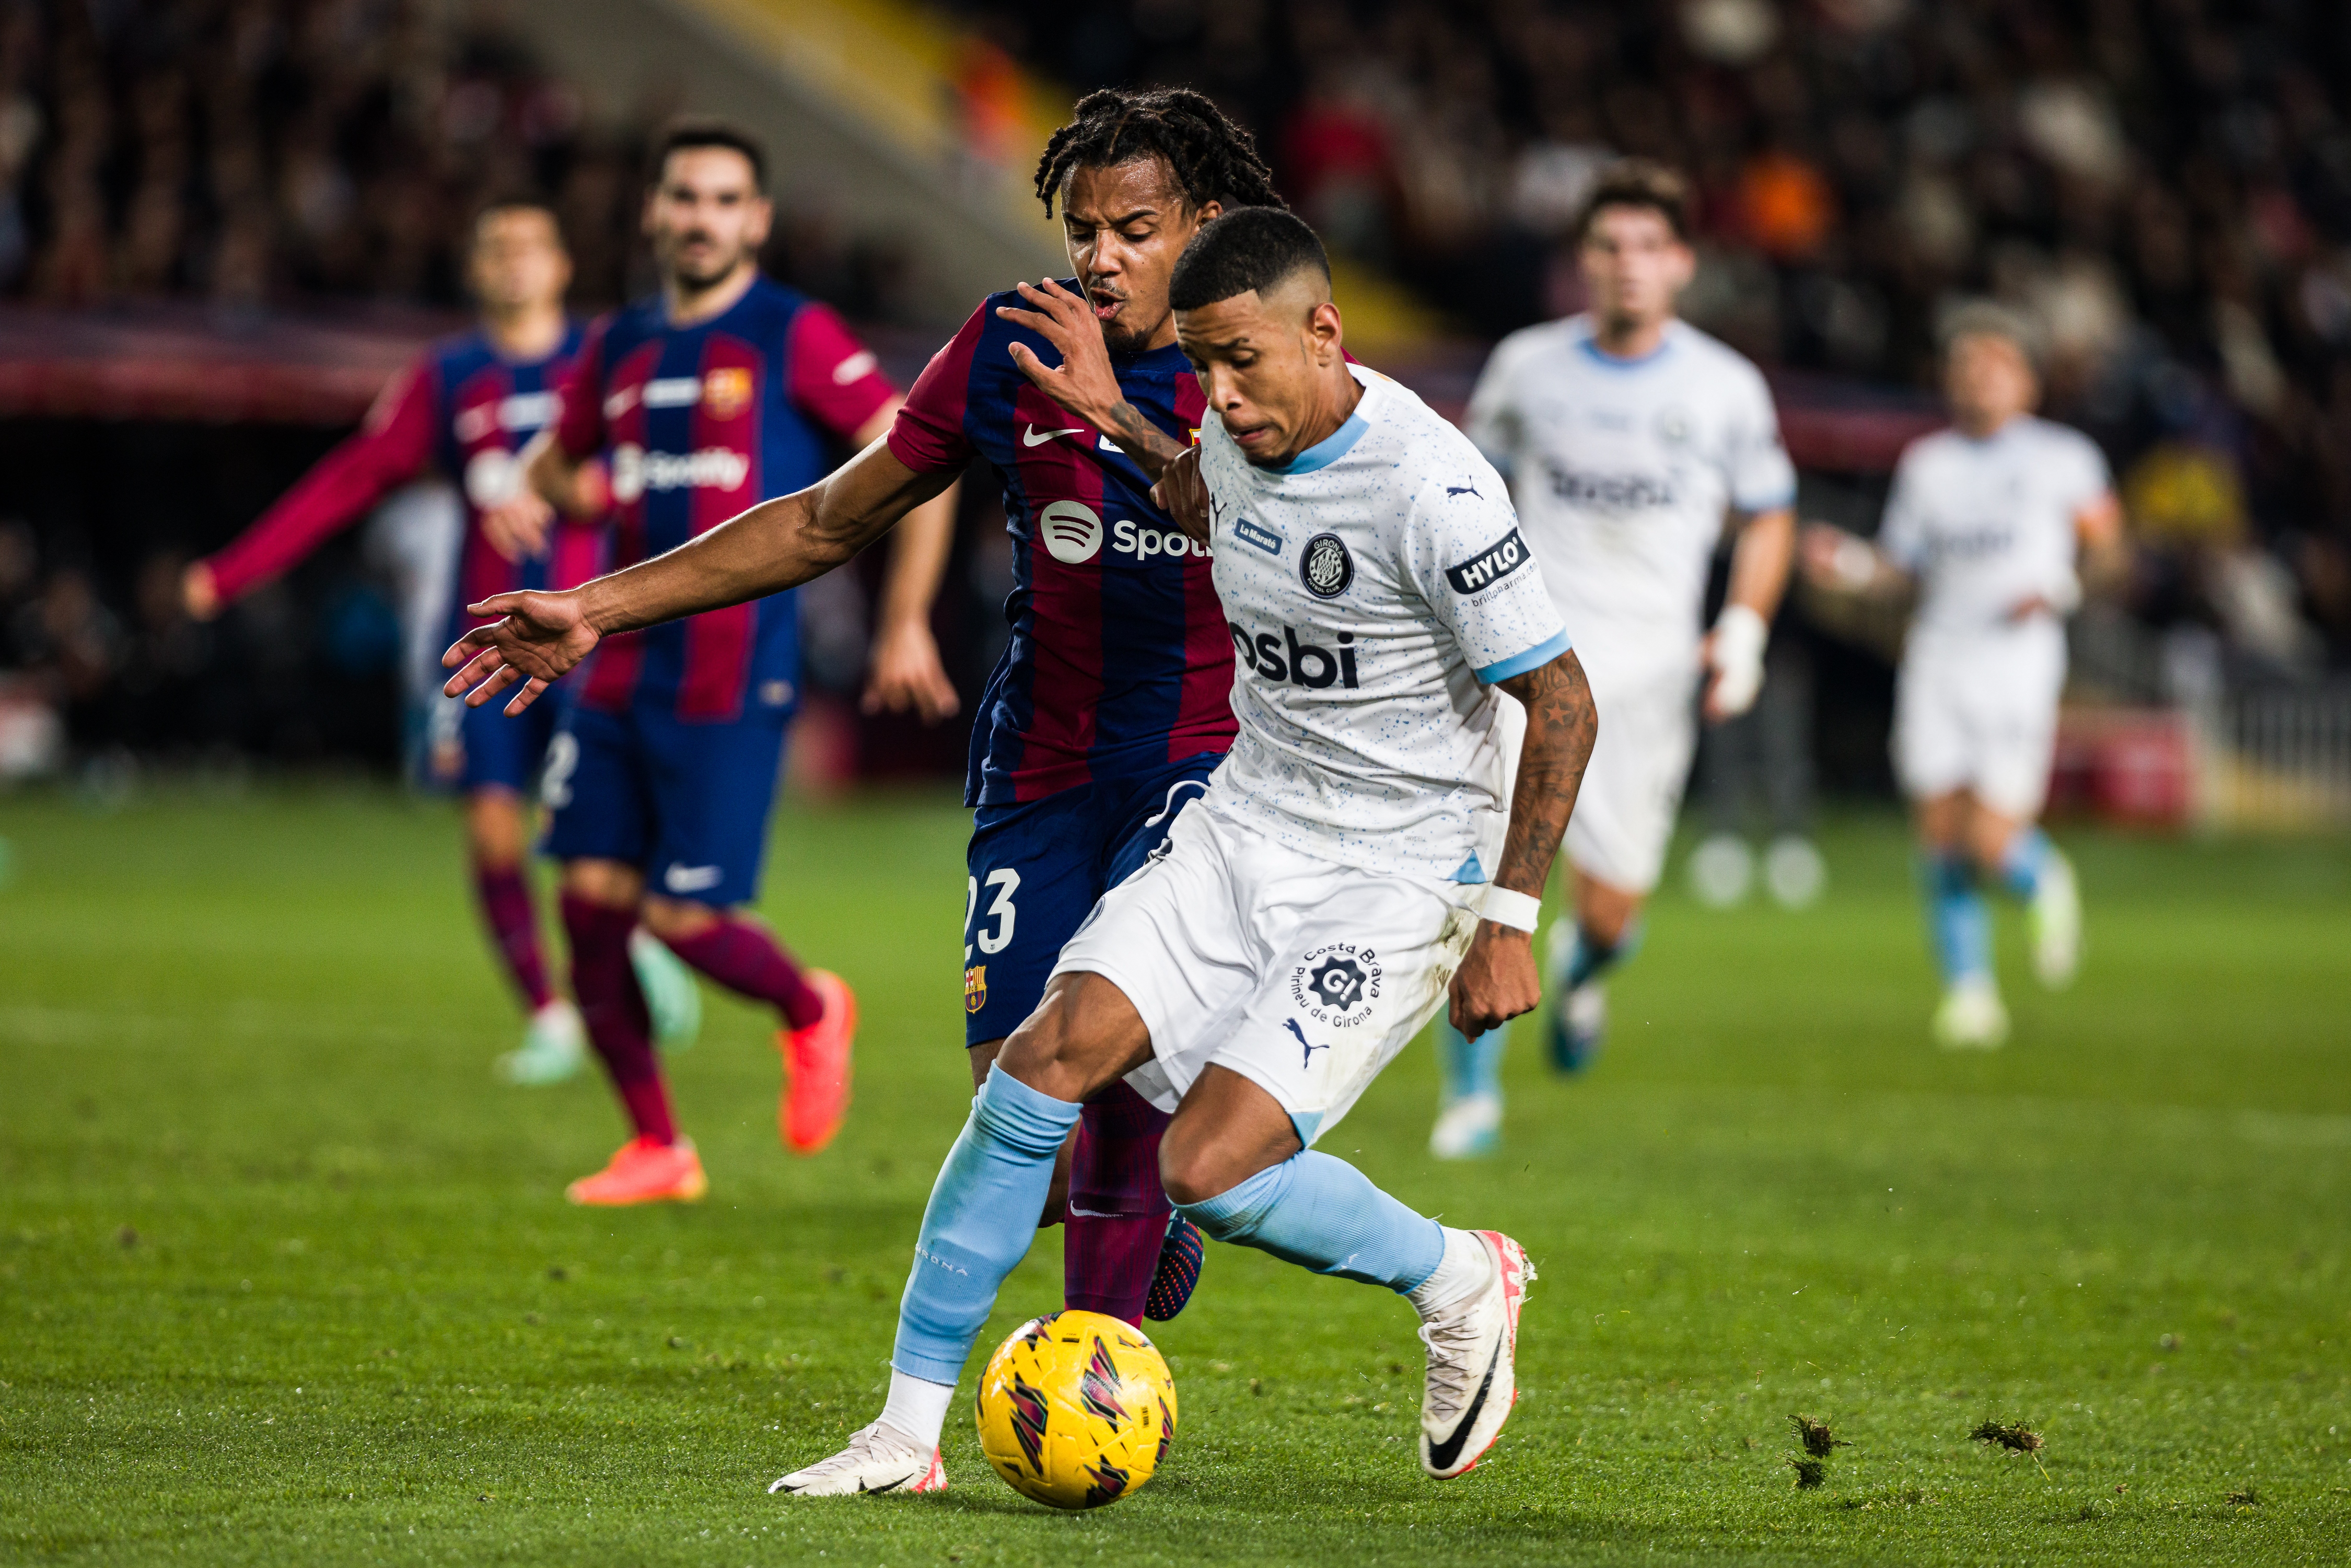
{"x":1630,"y":440}
{"x":712,"y":395}
{"x":1985,"y":521}
{"x":1113,"y":702}
{"x":464,"y":410}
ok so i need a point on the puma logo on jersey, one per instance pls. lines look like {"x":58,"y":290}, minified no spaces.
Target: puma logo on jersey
{"x":1489,"y":565}
{"x":1463,"y":490}
{"x":1033,"y":436}
{"x":1307,"y":1054}
{"x":1284,"y":660}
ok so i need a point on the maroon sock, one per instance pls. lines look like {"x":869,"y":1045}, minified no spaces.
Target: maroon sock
{"x":614,"y":1011}
{"x":508,"y":911}
{"x":1118,"y":1210}
{"x":747,"y":960}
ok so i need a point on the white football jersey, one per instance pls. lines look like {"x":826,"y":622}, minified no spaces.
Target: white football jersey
{"x":1986,"y":524}
{"x":1623,"y":471}
{"x":1375,"y":589}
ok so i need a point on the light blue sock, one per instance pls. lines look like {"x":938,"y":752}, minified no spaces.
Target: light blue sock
{"x":1587,"y":957}
{"x":979,"y":1223}
{"x":2019,"y":868}
{"x":1956,"y":918}
{"x":1321,"y":1212}
{"x":1471,"y":1066}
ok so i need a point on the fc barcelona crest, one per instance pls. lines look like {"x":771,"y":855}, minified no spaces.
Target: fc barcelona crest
{"x":975,"y":988}
{"x":725,"y":390}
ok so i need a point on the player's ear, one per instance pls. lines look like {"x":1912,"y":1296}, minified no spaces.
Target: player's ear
{"x":763,"y":218}
{"x":1207,"y":212}
{"x":1324,"y":331}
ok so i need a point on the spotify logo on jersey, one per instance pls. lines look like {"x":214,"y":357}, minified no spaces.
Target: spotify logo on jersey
{"x":1073,"y":531}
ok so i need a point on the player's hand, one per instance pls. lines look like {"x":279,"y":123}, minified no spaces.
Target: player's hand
{"x":1498,"y":980}
{"x":540,"y":637}
{"x":1833,"y":560}
{"x":1733,"y":650}
{"x":908,"y":676}
{"x":1183,"y":494}
{"x":1083,"y":382}
{"x":199,"y":592}
{"x":516,"y":527}
{"x":2026,"y":607}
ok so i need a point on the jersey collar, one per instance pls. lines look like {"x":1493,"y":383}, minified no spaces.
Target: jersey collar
{"x":1590,"y":343}
{"x":1337,"y":444}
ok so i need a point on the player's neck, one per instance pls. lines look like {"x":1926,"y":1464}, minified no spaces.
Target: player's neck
{"x":524,"y":332}
{"x":1622,"y":339}
{"x":1335,"y":401}
{"x":1983,"y":426}
{"x":687,"y":304}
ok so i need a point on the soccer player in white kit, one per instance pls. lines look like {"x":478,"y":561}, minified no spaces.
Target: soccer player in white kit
{"x":1986,"y":520}
{"x":1326,"y":896}
{"x":1631,"y":440}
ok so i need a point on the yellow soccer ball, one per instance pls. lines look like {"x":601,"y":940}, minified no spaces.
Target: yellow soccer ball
{"x":1076,"y":1409}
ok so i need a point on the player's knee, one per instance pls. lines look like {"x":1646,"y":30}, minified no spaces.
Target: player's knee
{"x":677,"y":919}
{"x":1194,"y":1170}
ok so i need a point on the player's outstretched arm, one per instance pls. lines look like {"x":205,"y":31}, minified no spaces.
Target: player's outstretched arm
{"x":1083,"y":382}
{"x":1498,"y":979}
{"x":776,"y":544}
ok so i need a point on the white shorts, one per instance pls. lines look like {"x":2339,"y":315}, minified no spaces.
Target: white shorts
{"x":1632,"y":785}
{"x":1982,"y":718}
{"x":1302,"y":976}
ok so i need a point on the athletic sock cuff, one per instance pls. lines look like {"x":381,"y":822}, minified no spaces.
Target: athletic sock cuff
{"x":1022,"y":1118}
{"x":1235,"y":1214}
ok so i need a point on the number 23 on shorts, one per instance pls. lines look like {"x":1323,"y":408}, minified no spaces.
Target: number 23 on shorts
{"x":1001,"y":885}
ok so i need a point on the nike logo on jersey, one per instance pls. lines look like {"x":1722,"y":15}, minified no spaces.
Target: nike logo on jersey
{"x":1489,"y":565}
{"x":1033,"y":436}
{"x":1308,"y":1055}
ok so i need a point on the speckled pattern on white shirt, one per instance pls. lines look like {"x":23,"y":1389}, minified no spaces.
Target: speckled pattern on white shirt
{"x":1375,"y":589}
{"x":1623,"y":471}
{"x":1986,"y":524}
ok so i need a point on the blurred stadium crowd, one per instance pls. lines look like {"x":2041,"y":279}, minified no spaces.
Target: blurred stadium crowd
{"x":2164,"y":185}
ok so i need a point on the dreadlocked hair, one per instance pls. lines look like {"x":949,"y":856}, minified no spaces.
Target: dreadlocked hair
{"x":1212,"y":158}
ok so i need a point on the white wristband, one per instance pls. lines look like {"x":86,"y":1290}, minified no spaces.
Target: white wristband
{"x":1516,"y":910}
{"x":1740,"y":637}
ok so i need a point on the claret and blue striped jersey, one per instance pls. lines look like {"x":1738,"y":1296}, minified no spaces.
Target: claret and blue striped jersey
{"x":1119,"y":662}
{"x":696,"y":424}
{"x":462,"y":408}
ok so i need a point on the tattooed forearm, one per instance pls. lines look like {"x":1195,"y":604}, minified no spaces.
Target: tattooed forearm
{"x":1561,"y":725}
{"x":1151,"y":447}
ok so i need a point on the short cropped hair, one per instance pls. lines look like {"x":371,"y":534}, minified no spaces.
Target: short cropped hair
{"x":1638,"y":183}
{"x":1245,"y":250}
{"x":517,"y":202}
{"x":1987,"y":318}
{"x":693,"y":131}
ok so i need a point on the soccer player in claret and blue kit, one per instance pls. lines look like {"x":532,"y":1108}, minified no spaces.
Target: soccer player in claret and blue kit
{"x":1327,"y":893}
{"x":719,"y":392}
{"x":463,"y":410}
{"x":1111,"y":703}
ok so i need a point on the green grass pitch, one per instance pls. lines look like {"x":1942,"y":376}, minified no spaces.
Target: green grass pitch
{"x":286,"y":1277}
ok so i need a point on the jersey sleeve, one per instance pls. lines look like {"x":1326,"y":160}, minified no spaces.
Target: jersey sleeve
{"x":928,"y":434}
{"x":1463,"y":554}
{"x":1491,"y":422}
{"x":1902,"y":530}
{"x":1760,"y":479}
{"x":2089,"y":478}
{"x":580,"y":432}
{"x":829,"y":375}
{"x":391,"y":446}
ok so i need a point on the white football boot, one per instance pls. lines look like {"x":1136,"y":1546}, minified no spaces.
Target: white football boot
{"x":2054,"y":918}
{"x":1973,"y":1016}
{"x":1469,"y":1128}
{"x":878,"y":1458}
{"x":554,"y":1046}
{"x":1473,"y":1346}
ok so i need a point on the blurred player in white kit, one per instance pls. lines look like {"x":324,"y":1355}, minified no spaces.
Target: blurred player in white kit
{"x":1986,"y":520}
{"x":1630,"y":440}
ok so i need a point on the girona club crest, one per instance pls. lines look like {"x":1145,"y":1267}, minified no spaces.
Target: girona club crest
{"x":975,"y":988}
